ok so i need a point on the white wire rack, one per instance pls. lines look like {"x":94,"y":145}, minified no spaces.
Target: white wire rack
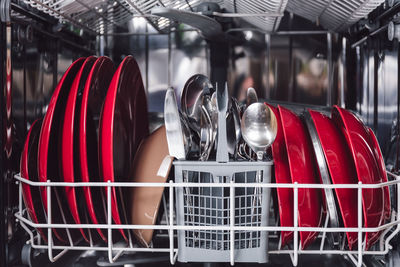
{"x":389,"y":230}
{"x":336,"y":15}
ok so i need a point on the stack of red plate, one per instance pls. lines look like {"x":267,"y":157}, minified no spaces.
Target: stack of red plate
{"x":352,"y":155}
{"x":94,"y":123}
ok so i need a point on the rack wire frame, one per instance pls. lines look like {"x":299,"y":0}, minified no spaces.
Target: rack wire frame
{"x":98,"y":17}
{"x":389,"y":230}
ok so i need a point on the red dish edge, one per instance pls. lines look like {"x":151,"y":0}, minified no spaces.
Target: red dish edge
{"x":44,"y":139}
{"x":369,"y":171}
{"x":282,"y":175}
{"x":67,"y":144}
{"x":341,"y":168}
{"x":106,"y":134}
{"x":302,"y":172}
{"x":24,"y":169}
{"x":102,"y":64}
{"x":382,"y":169}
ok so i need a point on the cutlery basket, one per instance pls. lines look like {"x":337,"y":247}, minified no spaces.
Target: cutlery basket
{"x":208,"y":207}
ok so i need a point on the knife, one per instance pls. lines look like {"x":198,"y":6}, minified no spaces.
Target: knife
{"x":175,"y":139}
{"x":222,"y":105}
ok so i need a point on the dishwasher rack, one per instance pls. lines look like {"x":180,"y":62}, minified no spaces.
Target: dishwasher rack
{"x":389,"y":230}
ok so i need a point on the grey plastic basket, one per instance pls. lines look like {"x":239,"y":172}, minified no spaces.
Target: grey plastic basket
{"x":210,"y":206}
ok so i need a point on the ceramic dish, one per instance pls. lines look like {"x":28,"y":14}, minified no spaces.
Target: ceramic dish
{"x":382,"y":170}
{"x":28,"y":169}
{"x":93,"y":96}
{"x":70,"y":141}
{"x":302,"y":170}
{"x":328,"y":193}
{"x":366,"y":167}
{"x":50,"y":149}
{"x":151,"y":157}
{"x":282,"y":175}
{"x":341,"y":168}
{"x":123,"y":113}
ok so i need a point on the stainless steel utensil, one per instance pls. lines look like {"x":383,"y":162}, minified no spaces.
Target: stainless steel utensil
{"x":222,"y":104}
{"x":259,"y":128}
{"x":326,"y":179}
{"x":251,"y":96}
{"x":231,"y":132}
{"x":236,"y":118}
{"x":210,"y":106}
{"x":175,"y":138}
{"x":192,"y":99}
{"x":178,"y":144}
{"x":206,"y":135}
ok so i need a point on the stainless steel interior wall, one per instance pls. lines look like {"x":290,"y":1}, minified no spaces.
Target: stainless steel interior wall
{"x":165,"y":60}
{"x":378,"y":88}
{"x":296,"y":68}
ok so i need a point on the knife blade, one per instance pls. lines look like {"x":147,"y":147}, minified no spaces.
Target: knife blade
{"x":222,"y":105}
{"x":175,"y":139}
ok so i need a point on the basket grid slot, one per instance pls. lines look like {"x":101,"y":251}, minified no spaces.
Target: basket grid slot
{"x":210,"y":206}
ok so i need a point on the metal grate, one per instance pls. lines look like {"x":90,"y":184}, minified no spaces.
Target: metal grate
{"x":100,"y":16}
{"x":265,"y":23}
{"x":336,"y":15}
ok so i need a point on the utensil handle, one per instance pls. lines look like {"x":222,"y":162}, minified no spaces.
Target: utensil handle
{"x":222,"y":146}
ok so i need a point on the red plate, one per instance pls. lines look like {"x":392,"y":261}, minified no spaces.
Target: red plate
{"x":28,"y":168}
{"x":50,"y":149}
{"x":382,"y":170}
{"x":341,"y":168}
{"x":69,"y":147}
{"x":282,"y":175}
{"x":367,"y":169}
{"x":302,"y":170}
{"x":93,"y":97}
{"x":124,"y":112}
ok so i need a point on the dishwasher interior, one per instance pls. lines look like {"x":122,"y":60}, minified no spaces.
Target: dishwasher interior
{"x":295,"y":53}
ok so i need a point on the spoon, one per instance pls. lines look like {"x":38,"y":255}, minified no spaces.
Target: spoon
{"x":251,"y":96}
{"x":210,"y":109}
{"x":206,"y":135}
{"x":259,"y":128}
{"x":192,"y":99}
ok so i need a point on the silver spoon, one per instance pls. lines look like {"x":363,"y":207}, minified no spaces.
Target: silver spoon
{"x":192,"y":99}
{"x":259,"y":128}
{"x":251,"y":96}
